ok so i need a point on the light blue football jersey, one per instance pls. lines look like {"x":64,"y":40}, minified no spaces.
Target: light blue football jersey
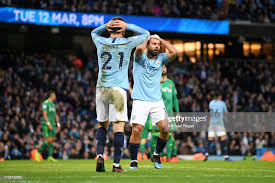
{"x":217,"y":109}
{"x":114,"y":56}
{"x":147,"y":74}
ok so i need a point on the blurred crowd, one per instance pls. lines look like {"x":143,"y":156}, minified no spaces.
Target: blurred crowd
{"x":245,"y":86}
{"x":249,"y":10}
{"x":26,"y":78}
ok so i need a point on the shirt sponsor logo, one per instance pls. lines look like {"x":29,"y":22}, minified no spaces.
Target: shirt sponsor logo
{"x":51,"y":109}
{"x":166,"y":89}
{"x":150,"y":68}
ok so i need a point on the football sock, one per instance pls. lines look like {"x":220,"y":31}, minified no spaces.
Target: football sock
{"x":208,"y":146}
{"x":142,"y":148}
{"x":50,"y":150}
{"x":134,"y":150}
{"x":174,"y":151}
{"x":160,"y":145}
{"x":43,"y":146}
{"x":153,"y":143}
{"x":118,"y":146}
{"x":101,"y":140}
{"x":169,"y":147}
{"x":224,"y":147}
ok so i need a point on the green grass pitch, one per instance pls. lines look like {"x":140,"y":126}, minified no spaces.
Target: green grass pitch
{"x":183,"y":171}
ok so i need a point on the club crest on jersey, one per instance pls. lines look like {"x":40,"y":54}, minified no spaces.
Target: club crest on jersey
{"x":170,"y":85}
{"x":158,"y":62}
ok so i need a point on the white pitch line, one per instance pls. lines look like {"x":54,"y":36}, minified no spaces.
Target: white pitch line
{"x":157,"y":176}
{"x":107,"y":176}
{"x":233,"y":169}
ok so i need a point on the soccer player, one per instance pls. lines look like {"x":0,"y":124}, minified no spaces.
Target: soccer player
{"x":112,"y":83}
{"x":169,"y":96}
{"x":49,"y":123}
{"x":146,"y":95}
{"x":216,"y":127}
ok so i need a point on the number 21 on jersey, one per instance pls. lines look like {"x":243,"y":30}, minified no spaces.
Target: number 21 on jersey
{"x":109,"y":58}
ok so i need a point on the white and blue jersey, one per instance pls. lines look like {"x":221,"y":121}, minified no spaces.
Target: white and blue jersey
{"x":147,"y":75}
{"x":217,"y":108}
{"x":114,"y":56}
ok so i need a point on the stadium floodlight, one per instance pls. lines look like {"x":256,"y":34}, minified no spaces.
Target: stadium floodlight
{"x":55,"y":30}
{"x":23,"y":28}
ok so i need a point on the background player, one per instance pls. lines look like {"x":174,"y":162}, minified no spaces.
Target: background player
{"x":111,"y":102}
{"x":169,"y":96}
{"x":49,"y":123}
{"x":146,"y":94}
{"x":216,"y":127}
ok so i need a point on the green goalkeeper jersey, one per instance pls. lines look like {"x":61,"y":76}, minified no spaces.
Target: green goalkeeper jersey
{"x":49,"y":106}
{"x":169,"y":96}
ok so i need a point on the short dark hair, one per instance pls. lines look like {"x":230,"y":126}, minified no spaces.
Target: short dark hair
{"x":51,"y":92}
{"x":118,"y":18}
{"x":217,"y":93}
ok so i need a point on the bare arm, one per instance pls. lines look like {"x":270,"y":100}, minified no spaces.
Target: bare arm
{"x":140,"y":48}
{"x":47,"y":120}
{"x":172,"y":51}
{"x":57,"y":122}
{"x":45,"y":116}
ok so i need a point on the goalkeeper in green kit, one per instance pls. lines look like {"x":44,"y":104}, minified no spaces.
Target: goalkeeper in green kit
{"x":49,"y":123}
{"x":169,"y":96}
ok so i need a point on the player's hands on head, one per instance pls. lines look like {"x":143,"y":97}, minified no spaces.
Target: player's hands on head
{"x":112,"y":24}
{"x":116,"y":26}
{"x":123,"y":26}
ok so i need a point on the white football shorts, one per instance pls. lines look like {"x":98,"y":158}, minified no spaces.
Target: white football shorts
{"x":216,"y":131}
{"x":141,"y":109}
{"x":111,"y":104}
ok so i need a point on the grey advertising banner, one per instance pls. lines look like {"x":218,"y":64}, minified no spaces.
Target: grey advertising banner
{"x":217,"y":122}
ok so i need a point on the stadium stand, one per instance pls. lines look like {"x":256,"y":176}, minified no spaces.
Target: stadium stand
{"x":25,"y":79}
{"x":262,"y":11}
